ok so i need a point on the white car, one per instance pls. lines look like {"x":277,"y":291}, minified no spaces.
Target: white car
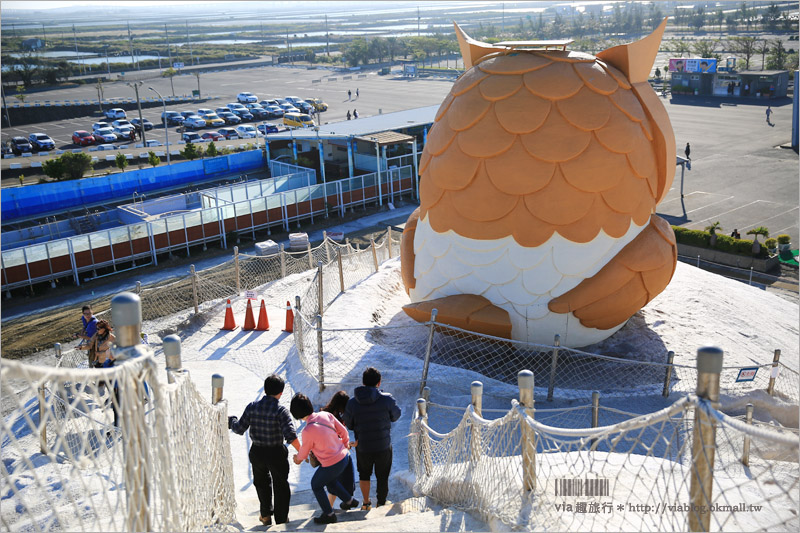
{"x":123,"y":134}
{"x":106,"y":147}
{"x":247,"y":98}
{"x":100,"y":125}
{"x":289,"y":108}
{"x":202,"y":112}
{"x":115,"y":113}
{"x":105,"y":135}
{"x":152,"y":142}
{"x":192,"y":137}
{"x":194,"y":122}
{"x":122,"y":123}
{"x":236,"y":107}
{"x":246,"y":131}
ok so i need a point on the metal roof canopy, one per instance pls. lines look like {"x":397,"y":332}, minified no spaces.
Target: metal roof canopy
{"x":536,"y":45}
{"x":386,"y":138}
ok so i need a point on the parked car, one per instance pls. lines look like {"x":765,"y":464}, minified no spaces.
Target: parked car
{"x":100,"y":125}
{"x":229,"y":118}
{"x":152,"y":142}
{"x":20,"y":145}
{"x":106,"y":147}
{"x":274,"y":111}
{"x":104,"y":135}
{"x":267,"y":103}
{"x":115,"y":113}
{"x":191,"y":137}
{"x":228,"y":133}
{"x":267,"y":128}
{"x":318,"y":104}
{"x":212,"y":136}
{"x":234,"y":106}
{"x":247,"y":131}
{"x":41,"y":141}
{"x":300,"y":104}
{"x":82,"y":138}
{"x":258,"y":112}
{"x":212,"y":120}
{"x":144,"y":122}
{"x":202,"y":112}
{"x":297,"y":120}
{"x":172,"y":118}
{"x":289,"y":108}
{"x":187,"y":114}
{"x":124,"y":134}
{"x":246,"y":98}
{"x":122,"y":123}
{"x":244,"y":115}
{"x":194,"y":122}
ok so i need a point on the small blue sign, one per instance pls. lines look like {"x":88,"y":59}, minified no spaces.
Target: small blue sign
{"x":747,"y":374}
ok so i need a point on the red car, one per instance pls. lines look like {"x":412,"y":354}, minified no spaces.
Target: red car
{"x":212,"y":136}
{"x":82,"y":138}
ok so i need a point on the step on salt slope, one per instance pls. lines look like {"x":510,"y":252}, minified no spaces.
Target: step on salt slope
{"x":411,"y":514}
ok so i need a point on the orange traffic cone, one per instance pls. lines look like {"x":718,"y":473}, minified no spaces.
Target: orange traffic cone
{"x":230,"y":323}
{"x":289,"y":319}
{"x":249,"y":320}
{"x":263,"y":319}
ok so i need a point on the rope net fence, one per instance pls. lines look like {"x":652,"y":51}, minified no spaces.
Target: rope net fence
{"x":111,"y":450}
{"x":634,"y":475}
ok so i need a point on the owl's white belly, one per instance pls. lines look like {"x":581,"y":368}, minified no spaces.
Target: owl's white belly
{"x":515,"y":278}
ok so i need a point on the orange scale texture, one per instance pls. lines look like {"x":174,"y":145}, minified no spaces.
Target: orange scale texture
{"x":554,"y":82}
{"x":520,"y":63}
{"x":467,"y":110}
{"x":467,"y":81}
{"x":586,"y":110}
{"x":487,"y":139}
{"x":496,"y":88}
{"x":522,"y":112}
{"x":439,"y":137}
{"x":596,"y":78}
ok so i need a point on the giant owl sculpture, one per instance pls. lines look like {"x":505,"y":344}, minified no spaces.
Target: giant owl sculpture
{"x":539,"y":182}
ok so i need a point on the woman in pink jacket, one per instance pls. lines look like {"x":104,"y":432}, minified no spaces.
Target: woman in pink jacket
{"x":328,"y":439}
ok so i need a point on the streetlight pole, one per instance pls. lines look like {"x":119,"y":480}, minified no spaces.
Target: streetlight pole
{"x":108,"y":65}
{"x":166,"y":126}
{"x":135,"y":86}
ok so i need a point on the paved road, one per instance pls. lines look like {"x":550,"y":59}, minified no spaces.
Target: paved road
{"x":740,"y":175}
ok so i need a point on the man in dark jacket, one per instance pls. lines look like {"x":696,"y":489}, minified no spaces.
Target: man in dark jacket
{"x":370,"y":413}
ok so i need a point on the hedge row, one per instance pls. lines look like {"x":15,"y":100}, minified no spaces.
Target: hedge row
{"x":702,"y":239}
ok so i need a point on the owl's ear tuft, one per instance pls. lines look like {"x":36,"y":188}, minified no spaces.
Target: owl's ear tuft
{"x":636,"y":59}
{"x":472,"y":50}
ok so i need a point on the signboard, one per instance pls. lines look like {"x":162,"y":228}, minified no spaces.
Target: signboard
{"x":693,"y":65}
{"x":775,"y":372}
{"x":747,"y":374}
{"x":409,"y":70}
{"x":177,"y":65}
{"x":250,"y":295}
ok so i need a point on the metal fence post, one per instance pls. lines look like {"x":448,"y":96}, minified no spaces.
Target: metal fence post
{"x":389,"y":239}
{"x":297,"y":326}
{"x":426,"y":393}
{"x":138,"y":287}
{"x":320,"y":289}
{"x":42,"y":421}
{"x":341,"y":270}
{"x":57,"y":348}
{"x":310,"y":255}
{"x":194,"y":289}
{"x":746,"y":446}
{"x":553,"y":365}
{"x":525,"y":381}
{"x":236,"y":268}
{"x":709,"y":367}
{"x":427,"y":361}
{"x":774,"y":372}
{"x":283,"y":262}
{"x":374,"y":253}
{"x":668,"y":374}
{"x":217,"y":383}
{"x":424,"y":445}
{"x":595,"y":413}
{"x":750,"y":281}
{"x":172,"y":356}
{"x":327,"y":246}
{"x":320,"y":363}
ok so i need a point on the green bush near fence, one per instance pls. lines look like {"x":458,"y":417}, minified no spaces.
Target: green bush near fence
{"x":702,"y":239}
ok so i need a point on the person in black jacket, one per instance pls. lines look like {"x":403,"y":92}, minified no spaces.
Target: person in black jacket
{"x":370,"y":413}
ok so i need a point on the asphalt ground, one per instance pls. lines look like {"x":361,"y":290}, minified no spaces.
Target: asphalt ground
{"x":741,"y":176}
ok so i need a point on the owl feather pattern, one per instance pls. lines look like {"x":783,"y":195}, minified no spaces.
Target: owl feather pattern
{"x":539,"y":182}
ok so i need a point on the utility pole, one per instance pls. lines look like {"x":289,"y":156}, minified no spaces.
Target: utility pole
{"x":503,"y":18}
{"x":289,"y":48}
{"x":169,"y":52}
{"x":75,"y":40}
{"x":130,"y":44}
{"x":191,"y":54}
{"x":108,"y":65}
{"x":44,"y":37}
{"x":327,"y":38}
{"x":197,"y":75}
{"x":3,"y":93}
{"x":417,"y":21}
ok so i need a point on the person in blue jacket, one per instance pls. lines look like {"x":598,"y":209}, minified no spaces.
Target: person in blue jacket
{"x":370,"y":414}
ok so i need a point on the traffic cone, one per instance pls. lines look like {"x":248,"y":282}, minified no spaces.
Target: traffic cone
{"x":289,"y":319}
{"x":249,"y":320}
{"x":230,"y":323}
{"x":263,"y":319}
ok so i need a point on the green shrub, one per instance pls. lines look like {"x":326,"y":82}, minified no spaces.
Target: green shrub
{"x":121,"y":161}
{"x":784,"y":238}
{"x":692,"y":237}
{"x":701,"y":239}
{"x":771,"y":243}
{"x":74,"y":166}
{"x":212,"y":150}
{"x":153,"y":159}
{"x":190,"y":152}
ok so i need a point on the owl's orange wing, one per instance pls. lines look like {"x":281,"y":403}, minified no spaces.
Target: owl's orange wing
{"x":638,"y":273}
{"x":407,"y":256}
{"x":465,"y":311}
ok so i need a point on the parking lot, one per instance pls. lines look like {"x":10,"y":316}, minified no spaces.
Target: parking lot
{"x":741,"y":176}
